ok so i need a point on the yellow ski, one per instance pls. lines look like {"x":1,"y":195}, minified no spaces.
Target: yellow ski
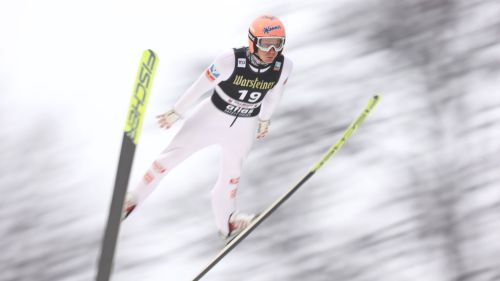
{"x":334,"y":148}
{"x":135,"y":116}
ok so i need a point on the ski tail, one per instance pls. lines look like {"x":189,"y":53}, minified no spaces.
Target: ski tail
{"x":133,"y":124}
{"x":333,"y":149}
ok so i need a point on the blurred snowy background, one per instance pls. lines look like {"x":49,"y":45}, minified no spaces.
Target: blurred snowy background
{"x":414,"y":195}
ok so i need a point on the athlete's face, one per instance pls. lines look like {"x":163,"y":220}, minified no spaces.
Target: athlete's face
{"x":267,"y":57}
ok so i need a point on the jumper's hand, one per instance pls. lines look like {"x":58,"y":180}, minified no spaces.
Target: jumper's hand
{"x":263,"y":128}
{"x":167,"y":119}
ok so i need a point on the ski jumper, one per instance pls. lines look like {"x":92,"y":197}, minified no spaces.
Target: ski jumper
{"x":242,"y":94}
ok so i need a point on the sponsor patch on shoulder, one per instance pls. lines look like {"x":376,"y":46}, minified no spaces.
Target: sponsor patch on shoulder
{"x":277,"y":66}
{"x":212,"y":73}
{"x":242,"y":62}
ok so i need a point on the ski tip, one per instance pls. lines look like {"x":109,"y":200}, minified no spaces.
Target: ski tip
{"x":372,"y":102}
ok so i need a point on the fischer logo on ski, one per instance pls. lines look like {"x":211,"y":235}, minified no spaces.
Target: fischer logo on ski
{"x":135,"y":116}
{"x":140,"y":95}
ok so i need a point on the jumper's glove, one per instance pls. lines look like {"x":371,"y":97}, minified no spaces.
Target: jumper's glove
{"x":167,"y":119}
{"x":263,"y":128}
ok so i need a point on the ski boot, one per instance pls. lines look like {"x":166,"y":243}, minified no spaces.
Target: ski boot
{"x":237,"y":223}
{"x":129,"y":205}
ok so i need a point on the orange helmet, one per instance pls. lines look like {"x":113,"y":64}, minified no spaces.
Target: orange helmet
{"x":266,"y":32}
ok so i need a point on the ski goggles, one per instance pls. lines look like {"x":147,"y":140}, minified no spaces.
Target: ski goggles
{"x":266,"y":43}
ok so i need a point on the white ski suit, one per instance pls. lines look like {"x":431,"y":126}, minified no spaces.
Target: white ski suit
{"x":228,"y":119}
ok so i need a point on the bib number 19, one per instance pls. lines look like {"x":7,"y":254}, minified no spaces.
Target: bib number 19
{"x":254,"y":96}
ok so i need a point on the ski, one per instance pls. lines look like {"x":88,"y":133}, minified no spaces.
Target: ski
{"x":333,"y":149}
{"x":135,"y":116}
